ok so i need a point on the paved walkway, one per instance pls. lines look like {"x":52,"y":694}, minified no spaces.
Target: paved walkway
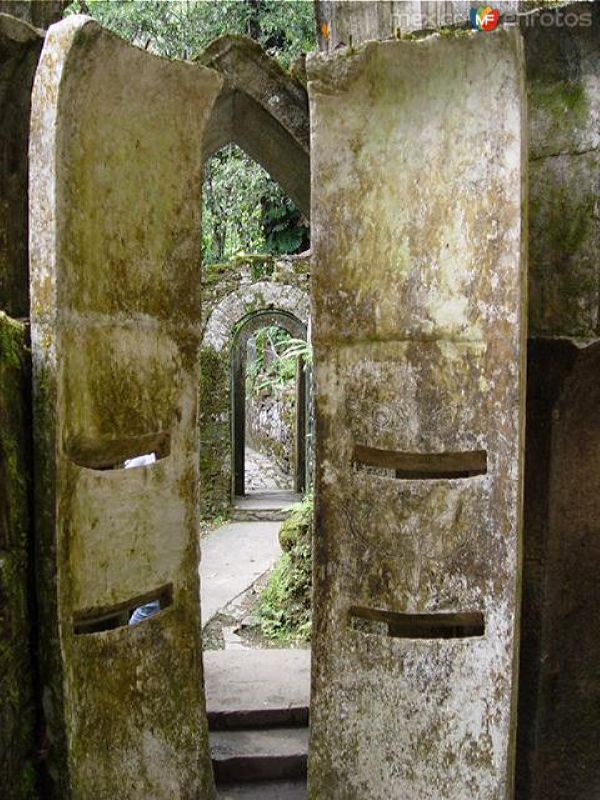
{"x":232,"y":558}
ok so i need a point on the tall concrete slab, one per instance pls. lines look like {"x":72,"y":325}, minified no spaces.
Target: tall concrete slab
{"x":115,"y":192}
{"x":419,"y":329}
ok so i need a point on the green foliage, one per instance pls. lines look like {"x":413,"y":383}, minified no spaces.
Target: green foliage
{"x":285,"y":606}
{"x":284,"y":228}
{"x":232,"y":214}
{"x":274,"y":367}
{"x":246,"y":211}
{"x":182,"y":28}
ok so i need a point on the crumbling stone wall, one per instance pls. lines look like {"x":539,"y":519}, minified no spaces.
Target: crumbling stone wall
{"x":558,"y":732}
{"x":270,"y":425}
{"x":230,"y":293}
{"x":563,"y":82}
{"x":17,"y":715}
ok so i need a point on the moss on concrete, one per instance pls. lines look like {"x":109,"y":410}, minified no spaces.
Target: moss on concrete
{"x":16,"y":682}
{"x":215,"y":445}
{"x":564,"y":97}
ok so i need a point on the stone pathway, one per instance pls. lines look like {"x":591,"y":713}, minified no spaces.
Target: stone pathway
{"x":233,"y":557}
{"x":263,"y":474}
{"x":257,"y":686}
{"x":257,"y":700}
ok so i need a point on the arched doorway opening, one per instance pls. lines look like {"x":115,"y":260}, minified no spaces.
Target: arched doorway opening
{"x":245,"y":330}
{"x":255,"y":585}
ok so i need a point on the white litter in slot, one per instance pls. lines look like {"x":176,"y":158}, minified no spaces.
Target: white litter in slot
{"x":140,"y":461}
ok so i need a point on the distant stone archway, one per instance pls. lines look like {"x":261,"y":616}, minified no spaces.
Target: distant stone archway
{"x":289,"y":298}
{"x":243,"y":331}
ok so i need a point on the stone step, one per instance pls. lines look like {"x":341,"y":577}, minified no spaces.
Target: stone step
{"x":257,"y":688}
{"x":274,"y":505}
{"x":260,"y":514}
{"x":256,"y":718}
{"x":264,"y":790}
{"x":241,"y":756}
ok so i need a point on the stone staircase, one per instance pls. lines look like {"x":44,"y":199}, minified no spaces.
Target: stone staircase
{"x":257,"y":708}
{"x":267,"y":506}
{"x":260,"y":762}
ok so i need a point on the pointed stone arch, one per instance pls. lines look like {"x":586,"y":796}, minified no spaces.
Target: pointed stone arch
{"x":264,"y":110}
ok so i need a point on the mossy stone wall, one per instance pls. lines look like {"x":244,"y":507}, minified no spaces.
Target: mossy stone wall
{"x":16,"y":681}
{"x":563,"y":66}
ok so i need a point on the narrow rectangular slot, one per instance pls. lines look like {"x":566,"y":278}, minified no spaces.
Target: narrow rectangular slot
{"x":114,"y":453}
{"x":107,"y":618}
{"x":420,"y":466}
{"x":417,"y":626}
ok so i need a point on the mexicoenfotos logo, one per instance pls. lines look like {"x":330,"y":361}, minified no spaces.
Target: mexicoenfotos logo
{"x":484,"y":18}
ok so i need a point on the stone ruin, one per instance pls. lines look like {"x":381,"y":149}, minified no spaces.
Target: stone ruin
{"x":455,"y":300}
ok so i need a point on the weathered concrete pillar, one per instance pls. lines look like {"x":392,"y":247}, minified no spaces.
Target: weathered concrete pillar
{"x":419,"y":330}
{"x":17,"y":714}
{"x":20,"y":47}
{"x":116,"y":171}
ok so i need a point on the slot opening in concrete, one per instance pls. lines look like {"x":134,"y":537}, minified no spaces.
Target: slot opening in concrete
{"x":417,"y":626}
{"x":119,"y":453}
{"x":420,"y":466}
{"x":108,"y":618}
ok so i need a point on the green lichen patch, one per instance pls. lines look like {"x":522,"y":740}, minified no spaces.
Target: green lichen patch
{"x":215,"y":446}
{"x":565,"y":101}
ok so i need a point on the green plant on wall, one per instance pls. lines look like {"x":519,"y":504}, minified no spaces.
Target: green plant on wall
{"x":285,"y":606}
